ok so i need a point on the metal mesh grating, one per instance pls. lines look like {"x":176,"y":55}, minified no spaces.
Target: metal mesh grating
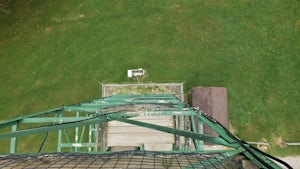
{"x":118,"y":160}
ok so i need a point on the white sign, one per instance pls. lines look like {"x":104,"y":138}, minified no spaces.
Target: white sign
{"x":135,"y":72}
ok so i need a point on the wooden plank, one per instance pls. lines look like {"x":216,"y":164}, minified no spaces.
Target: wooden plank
{"x":158,"y":147}
{"x":124,"y":148}
{"x":131,"y":129}
{"x":158,"y":122}
{"x":124,"y":134}
{"x":171,"y":118}
{"x":138,"y":139}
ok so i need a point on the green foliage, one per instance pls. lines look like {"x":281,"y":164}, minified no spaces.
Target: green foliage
{"x":55,"y":53}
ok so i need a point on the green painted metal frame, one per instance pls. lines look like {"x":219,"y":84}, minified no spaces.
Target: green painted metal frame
{"x":119,"y":108}
{"x":13,"y":140}
{"x":188,"y":134}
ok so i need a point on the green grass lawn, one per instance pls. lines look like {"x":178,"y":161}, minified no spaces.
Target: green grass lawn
{"x":54,"y":53}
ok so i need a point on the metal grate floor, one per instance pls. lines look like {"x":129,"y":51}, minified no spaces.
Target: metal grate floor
{"x":118,"y":160}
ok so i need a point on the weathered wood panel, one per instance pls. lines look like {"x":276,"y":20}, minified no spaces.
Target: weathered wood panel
{"x":138,"y":139}
{"x":132,"y":129}
{"x":124,"y":134}
{"x":214,"y":102}
{"x":161,"y":120}
{"x":158,"y":147}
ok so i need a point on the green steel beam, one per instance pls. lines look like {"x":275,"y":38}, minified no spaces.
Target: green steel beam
{"x":200,"y":130}
{"x":160,"y":113}
{"x":76,"y":133}
{"x":67,"y":138}
{"x":258,"y":158}
{"x":215,"y":140}
{"x":194,"y":129}
{"x":96,"y":136}
{"x":13,"y":140}
{"x":82,"y":109}
{"x":82,"y":133}
{"x":99,"y":106}
{"x":93,"y":108}
{"x":217,"y":128}
{"x":56,"y":127}
{"x":149,"y":112}
{"x":59,"y":135}
{"x":255,"y":156}
{"x":17,"y":120}
{"x":119,"y":104}
{"x":139,"y":99}
{"x":59,"y":140}
{"x":53,"y":119}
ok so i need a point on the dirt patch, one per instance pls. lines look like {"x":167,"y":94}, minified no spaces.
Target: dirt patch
{"x":279,"y":142}
{"x":297,"y":25}
{"x":232,"y":129}
{"x":251,"y":128}
{"x":48,"y":29}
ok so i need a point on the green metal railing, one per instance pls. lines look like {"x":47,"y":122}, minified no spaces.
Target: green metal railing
{"x":85,"y":117}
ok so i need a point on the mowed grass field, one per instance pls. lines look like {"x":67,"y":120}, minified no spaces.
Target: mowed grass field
{"x":55,"y":53}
